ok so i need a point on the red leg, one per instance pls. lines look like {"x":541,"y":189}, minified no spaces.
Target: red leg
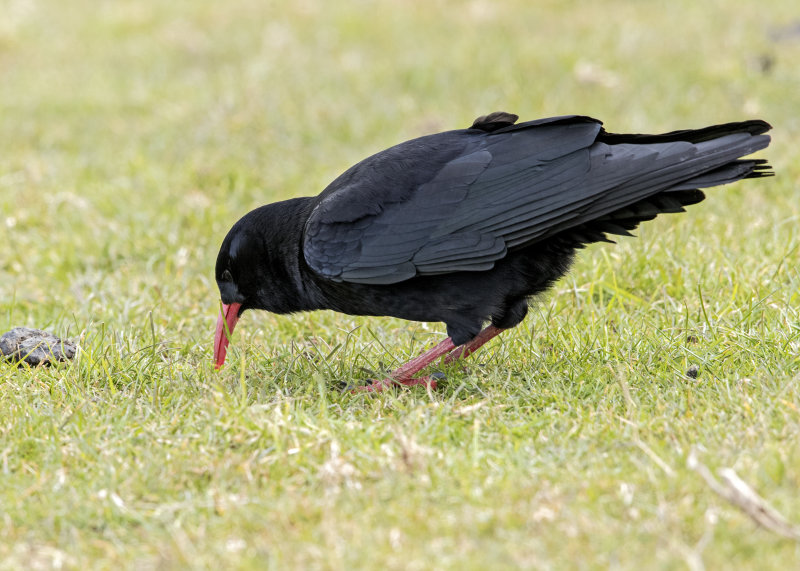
{"x":465,"y":350}
{"x":404,"y":375}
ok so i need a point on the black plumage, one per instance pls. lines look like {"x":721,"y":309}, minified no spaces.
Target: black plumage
{"x":463,"y":227}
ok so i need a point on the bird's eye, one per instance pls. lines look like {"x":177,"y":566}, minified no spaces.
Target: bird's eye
{"x":226,"y":276}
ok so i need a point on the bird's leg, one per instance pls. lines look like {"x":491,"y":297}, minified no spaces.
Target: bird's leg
{"x":404,"y":375}
{"x":465,"y":350}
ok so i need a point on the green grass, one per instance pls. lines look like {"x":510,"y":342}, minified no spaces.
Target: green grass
{"x":133,"y":134}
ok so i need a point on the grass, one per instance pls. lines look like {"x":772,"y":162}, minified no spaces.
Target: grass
{"x":133,"y":134}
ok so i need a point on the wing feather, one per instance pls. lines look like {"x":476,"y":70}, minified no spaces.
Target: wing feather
{"x":458,"y":201}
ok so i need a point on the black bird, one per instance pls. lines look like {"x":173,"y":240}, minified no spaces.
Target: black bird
{"x":465,"y":226}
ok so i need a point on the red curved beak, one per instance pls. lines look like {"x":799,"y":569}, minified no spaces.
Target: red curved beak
{"x":225,"y":324}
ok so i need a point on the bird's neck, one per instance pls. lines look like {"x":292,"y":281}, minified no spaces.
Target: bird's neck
{"x":286,"y":287}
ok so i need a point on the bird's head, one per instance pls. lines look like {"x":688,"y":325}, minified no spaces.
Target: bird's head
{"x":255,"y":268}
{"x":237,"y":280}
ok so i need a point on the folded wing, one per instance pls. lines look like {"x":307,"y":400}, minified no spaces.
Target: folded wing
{"x":459,"y":201}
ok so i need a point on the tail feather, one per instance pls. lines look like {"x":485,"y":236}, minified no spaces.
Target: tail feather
{"x":676,"y":169}
{"x":716,"y":162}
{"x":761,"y":168}
{"x":731,"y":172}
{"x":753,"y":127}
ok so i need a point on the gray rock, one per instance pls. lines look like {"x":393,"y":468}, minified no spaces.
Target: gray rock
{"x":35,"y":347}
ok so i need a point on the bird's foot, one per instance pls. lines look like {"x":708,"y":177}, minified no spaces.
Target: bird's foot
{"x":377,"y":386}
{"x":404,"y":375}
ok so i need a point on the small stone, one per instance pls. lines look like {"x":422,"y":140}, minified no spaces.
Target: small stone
{"x":35,"y":347}
{"x":692,"y":371}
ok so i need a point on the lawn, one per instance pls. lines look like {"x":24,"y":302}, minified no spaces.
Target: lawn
{"x":134,"y":133}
